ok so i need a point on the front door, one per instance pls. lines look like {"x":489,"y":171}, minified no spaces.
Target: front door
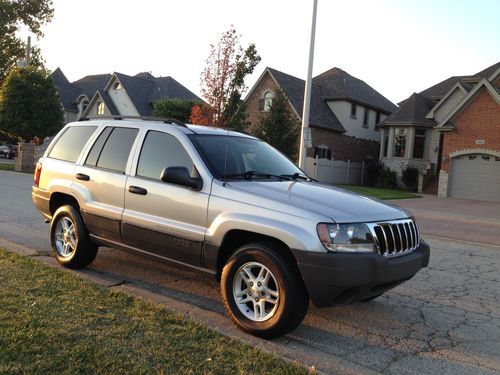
{"x":165,"y":219}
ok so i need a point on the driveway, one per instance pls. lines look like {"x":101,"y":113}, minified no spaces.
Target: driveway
{"x":458,"y":219}
{"x":445,"y":320}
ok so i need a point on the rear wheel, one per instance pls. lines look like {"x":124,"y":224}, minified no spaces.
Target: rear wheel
{"x":263,"y":292}
{"x":70,"y":240}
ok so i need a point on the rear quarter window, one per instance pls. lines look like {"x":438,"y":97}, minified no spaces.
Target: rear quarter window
{"x":69,"y":145}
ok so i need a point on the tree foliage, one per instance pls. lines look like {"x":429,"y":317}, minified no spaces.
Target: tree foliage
{"x":29,"y":104}
{"x":223,"y":79}
{"x":279,"y":127}
{"x":179,"y":109}
{"x":201,"y":114}
{"x":17,"y":14}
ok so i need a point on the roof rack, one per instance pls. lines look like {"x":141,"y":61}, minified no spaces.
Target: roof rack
{"x":238,"y":131}
{"x":145,"y":118}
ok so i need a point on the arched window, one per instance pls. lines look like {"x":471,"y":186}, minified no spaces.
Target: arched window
{"x":118,"y":86}
{"x":268,"y":101}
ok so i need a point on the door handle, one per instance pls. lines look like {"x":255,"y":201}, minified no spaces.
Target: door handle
{"x":83,"y":177}
{"x":137,"y":190}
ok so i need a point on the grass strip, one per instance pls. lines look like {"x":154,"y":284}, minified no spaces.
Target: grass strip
{"x":6,"y":167}
{"x":54,"y":322}
{"x":379,"y":193}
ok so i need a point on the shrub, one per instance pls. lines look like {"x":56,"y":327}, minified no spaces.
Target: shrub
{"x":387,"y":178}
{"x":410,"y":177}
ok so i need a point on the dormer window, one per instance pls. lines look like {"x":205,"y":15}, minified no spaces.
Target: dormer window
{"x":118,"y":86}
{"x":268,"y":101}
{"x":100,"y":108}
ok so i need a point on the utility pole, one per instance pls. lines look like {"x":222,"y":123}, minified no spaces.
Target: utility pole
{"x":28,"y":52}
{"x":305,"y":134}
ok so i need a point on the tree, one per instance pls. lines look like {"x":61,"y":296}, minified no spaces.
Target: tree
{"x":279,"y":128}
{"x":222,"y":80}
{"x":29,"y":104}
{"x":17,"y":14}
{"x":179,"y":109}
{"x":201,"y":114}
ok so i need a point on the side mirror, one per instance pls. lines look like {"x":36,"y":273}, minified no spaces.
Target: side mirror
{"x":180,"y":176}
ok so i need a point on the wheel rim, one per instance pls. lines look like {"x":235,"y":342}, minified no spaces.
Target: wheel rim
{"x":256,"y":291}
{"x":65,"y":237}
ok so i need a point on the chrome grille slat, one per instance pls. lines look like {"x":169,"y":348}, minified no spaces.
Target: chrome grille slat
{"x":395,"y":238}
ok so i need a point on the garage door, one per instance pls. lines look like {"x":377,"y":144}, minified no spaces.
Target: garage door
{"x":475,"y":177}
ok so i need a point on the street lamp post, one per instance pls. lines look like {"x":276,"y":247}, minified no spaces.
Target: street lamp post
{"x":305,"y":134}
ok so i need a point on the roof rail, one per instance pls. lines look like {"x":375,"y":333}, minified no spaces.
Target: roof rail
{"x":238,"y":131}
{"x":145,"y":118}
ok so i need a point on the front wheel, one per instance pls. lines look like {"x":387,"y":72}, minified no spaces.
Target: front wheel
{"x":70,"y":240}
{"x":263,"y":292}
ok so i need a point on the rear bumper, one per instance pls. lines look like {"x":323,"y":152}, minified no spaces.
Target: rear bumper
{"x":339,"y":278}
{"x":41,"y":200}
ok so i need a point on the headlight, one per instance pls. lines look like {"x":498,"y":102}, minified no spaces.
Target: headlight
{"x":352,"y":238}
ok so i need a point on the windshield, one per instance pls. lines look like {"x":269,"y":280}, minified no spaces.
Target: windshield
{"x":237,"y":157}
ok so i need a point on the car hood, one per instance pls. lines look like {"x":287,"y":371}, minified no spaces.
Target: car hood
{"x":338,"y":204}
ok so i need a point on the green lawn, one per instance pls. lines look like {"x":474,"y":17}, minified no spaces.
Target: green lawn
{"x":380,"y":193}
{"x":6,"y":167}
{"x":54,"y":322}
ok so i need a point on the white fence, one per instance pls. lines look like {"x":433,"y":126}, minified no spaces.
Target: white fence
{"x":336,"y":171}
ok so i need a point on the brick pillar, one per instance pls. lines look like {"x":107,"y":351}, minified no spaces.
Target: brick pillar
{"x":25,"y":158}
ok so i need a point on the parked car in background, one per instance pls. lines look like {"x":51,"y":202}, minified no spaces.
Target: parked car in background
{"x":8,"y":151}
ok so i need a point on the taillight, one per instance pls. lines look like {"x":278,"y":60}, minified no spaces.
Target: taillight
{"x":38,"y":173}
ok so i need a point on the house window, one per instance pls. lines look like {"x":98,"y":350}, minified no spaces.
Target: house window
{"x":366,"y":117}
{"x":419,"y":143}
{"x":118,"y":86}
{"x":386,"y":142}
{"x":322,"y":153}
{"x":377,"y":118}
{"x":399,"y":148}
{"x":268,"y":101}
{"x":100,"y":108}
{"x":353,"y":110}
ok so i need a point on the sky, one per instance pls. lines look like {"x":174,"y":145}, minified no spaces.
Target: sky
{"x":396,"y":46}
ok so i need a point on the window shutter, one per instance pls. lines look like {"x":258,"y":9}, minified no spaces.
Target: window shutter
{"x":316,"y":151}
{"x":261,"y":105}
{"x":329,"y":154}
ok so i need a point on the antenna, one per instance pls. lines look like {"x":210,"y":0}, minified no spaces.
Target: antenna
{"x":225,"y":166}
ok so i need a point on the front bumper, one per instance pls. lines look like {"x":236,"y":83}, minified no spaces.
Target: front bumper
{"x":334,"y":279}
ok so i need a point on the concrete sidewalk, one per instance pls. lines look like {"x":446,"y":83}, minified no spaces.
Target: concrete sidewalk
{"x":458,"y":219}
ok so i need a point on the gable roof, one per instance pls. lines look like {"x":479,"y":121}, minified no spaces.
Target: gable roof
{"x":320,"y":115}
{"x":466,"y":100}
{"x":143,"y":89}
{"x":434,"y":94}
{"x":99,"y":94}
{"x":412,"y":111}
{"x":460,"y":85}
{"x":336,"y":84}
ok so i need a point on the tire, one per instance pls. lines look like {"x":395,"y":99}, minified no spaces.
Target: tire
{"x":371,"y":298}
{"x":283,"y":300}
{"x":70,"y":240}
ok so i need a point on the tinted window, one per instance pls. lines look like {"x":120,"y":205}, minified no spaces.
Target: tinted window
{"x":70,"y":144}
{"x":115,"y":153}
{"x":96,"y":149}
{"x":160,"y":151}
{"x":226,"y":155}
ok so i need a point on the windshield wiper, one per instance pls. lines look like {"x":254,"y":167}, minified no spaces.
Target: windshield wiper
{"x":248,"y":175}
{"x":297,"y":176}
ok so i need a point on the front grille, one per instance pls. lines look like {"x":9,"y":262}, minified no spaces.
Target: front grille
{"x":395,"y":238}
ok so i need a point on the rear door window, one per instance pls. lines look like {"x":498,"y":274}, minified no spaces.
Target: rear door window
{"x":69,"y":146}
{"x":116,"y":150}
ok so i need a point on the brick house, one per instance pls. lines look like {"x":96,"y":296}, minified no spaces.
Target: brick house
{"x":451,"y":133}
{"x":344,"y":111}
{"x":115,"y":94}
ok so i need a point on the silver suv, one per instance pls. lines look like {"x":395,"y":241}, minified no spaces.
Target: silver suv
{"x":224,"y":203}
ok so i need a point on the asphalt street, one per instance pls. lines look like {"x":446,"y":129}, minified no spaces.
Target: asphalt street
{"x":446,"y":320}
